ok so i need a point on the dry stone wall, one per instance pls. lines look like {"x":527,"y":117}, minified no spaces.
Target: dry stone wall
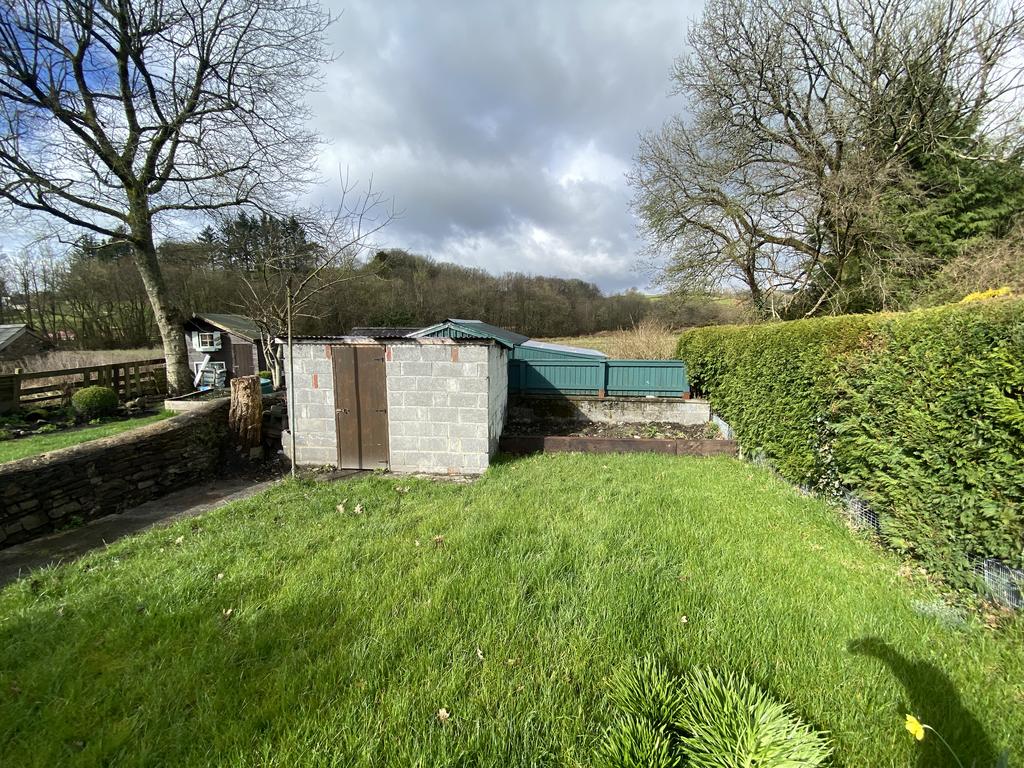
{"x":41,"y":493}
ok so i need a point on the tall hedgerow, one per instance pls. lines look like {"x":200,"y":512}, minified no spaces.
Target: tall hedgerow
{"x":920,"y":413}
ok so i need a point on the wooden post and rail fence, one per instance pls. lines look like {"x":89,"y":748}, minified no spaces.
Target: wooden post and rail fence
{"x":132,"y":379}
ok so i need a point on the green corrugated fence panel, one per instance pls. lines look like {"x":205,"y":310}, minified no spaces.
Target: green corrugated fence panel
{"x":565,"y":377}
{"x":660,"y":378}
{"x":639,"y":378}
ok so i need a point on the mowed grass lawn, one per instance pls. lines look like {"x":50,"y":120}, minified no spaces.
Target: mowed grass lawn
{"x":37,"y":444}
{"x":282,"y":631}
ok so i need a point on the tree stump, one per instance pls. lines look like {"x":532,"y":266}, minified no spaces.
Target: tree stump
{"x":245,"y":419}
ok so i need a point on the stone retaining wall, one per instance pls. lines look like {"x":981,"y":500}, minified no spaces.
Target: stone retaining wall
{"x":608,"y":410}
{"x":39,"y":493}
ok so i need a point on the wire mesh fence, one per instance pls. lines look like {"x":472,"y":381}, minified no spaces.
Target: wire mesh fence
{"x":996,"y":580}
{"x":1000,"y":582}
{"x":860,"y":514}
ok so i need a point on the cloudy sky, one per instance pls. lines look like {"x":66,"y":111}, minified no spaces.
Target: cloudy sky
{"x":503,"y":128}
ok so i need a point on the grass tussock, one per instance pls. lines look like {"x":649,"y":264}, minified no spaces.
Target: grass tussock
{"x":405,"y":622}
{"x":647,"y":340}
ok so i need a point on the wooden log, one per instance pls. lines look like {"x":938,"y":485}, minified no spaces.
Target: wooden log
{"x":245,"y":418}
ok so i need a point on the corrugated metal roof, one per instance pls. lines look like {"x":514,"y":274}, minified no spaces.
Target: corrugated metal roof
{"x":8,"y":333}
{"x":476,"y":328}
{"x":240,"y":325}
{"x":563,"y":348}
{"x":380,"y":332}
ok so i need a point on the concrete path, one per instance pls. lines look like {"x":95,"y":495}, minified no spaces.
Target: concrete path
{"x":19,"y":559}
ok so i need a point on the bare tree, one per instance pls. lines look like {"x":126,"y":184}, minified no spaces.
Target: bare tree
{"x":115,"y":114}
{"x":290,"y":272}
{"x":803,"y":115}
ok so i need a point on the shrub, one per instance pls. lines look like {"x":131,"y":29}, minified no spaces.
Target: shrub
{"x":91,"y":402}
{"x":703,"y":719}
{"x":919,"y":413}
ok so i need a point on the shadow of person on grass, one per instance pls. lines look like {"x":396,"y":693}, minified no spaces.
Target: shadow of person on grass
{"x":935,"y":701}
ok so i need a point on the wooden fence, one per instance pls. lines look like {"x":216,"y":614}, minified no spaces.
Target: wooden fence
{"x":129,"y":379}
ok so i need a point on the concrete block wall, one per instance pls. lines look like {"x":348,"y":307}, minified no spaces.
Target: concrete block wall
{"x":439,"y":406}
{"x":312,"y":397}
{"x":497,"y":393}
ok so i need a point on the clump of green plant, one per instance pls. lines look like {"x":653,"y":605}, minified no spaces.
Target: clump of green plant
{"x":703,"y":718}
{"x":728,"y":722}
{"x":92,"y":402}
{"x":46,"y":429}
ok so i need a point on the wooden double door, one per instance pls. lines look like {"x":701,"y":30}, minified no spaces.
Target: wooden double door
{"x":360,"y":406}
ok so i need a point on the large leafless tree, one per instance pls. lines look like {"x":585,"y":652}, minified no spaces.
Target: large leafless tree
{"x":116,"y":115}
{"x":801,"y":117}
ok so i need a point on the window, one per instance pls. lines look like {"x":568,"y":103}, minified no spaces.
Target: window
{"x":213,"y":365}
{"x":208,"y":341}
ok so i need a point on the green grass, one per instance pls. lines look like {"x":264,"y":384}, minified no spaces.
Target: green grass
{"x":281,"y":631}
{"x":33,"y":446}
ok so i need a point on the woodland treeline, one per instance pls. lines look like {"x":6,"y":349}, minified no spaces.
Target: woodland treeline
{"x":92,"y":296}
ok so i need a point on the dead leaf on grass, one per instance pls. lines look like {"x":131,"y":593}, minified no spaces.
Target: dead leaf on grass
{"x":179,"y":540}
{"x":479,"y":654}
{"x":439,"y":541}
{"x":227,"y":613}
{"x":443,"y":715}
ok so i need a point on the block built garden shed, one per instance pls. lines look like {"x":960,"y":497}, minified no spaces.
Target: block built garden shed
{"x":432,"y":405}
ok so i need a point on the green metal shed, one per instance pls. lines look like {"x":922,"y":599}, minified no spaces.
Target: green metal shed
{"x":538,"y":367}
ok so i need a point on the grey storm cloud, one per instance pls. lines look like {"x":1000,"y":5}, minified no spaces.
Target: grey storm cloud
{"x":503,"y":130}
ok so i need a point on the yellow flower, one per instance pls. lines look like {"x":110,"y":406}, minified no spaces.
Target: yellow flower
{"x":915,"y":727}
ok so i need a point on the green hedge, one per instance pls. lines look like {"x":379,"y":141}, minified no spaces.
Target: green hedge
{"x":920,"y":414}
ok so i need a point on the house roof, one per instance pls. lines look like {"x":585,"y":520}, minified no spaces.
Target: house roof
{"x":476,"y":328}
{"x":239,"y":325}
{"x":383,"y":332}
{"x":8,"y":333}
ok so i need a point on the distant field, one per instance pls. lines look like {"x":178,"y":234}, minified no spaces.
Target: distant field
{"x":647,"y":341}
